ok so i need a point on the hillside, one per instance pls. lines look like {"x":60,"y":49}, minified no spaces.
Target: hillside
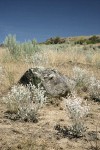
{"x":93,"y":39}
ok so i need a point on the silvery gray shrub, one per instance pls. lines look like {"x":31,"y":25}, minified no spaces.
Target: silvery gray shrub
{"x":77,"y":113}
{"x":25,"y":104}
{"x":81,"y":76}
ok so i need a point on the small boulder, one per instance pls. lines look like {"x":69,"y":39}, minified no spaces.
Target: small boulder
{"x":54,"y":83}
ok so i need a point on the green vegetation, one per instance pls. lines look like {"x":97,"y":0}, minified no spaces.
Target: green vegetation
{"x":92,"y":40}
{"x":55,"y":40}
{"x":17,"y":49}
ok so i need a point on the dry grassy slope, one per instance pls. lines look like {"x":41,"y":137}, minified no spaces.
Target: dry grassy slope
{"x":16,"y":135}
{"x":73,"y":39}
{"x":81,"y":37}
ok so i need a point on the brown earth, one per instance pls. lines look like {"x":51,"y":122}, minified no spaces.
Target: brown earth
{"x":43,"y":135}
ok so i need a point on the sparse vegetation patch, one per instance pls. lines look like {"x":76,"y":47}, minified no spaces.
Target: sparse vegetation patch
{"x":24,"y":102}
{"x":50,"y":94}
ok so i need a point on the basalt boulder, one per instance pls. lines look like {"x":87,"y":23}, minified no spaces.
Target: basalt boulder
{"x":54,"y":83}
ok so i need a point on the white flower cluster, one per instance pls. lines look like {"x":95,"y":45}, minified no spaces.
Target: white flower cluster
{"x":75,"y":108}
{"x":20,"y":101}
{"x":37,"y":59}
{"x":40,"y":58}
{"x":17,"y":98}
{"x":20,"y":92}
{"x":80,"y":76}
{"x":94,"y":87}
{"x":38,"y":94}
{"x":77,"y":112}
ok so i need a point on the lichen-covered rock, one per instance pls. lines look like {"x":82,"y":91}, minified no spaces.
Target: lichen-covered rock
{"x":53,"y":82}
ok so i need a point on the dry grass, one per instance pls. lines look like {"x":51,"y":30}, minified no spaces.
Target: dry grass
{"x":41,"y":136}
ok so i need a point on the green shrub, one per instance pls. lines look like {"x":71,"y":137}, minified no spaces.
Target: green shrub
{"x":55,"y":40}
{"x":18,"y":49}
{"x":92,"y":40}
{"x":29,"y":48}
{"x":12,"y":45}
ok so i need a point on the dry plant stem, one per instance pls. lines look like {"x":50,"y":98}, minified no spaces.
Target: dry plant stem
{"x":96,"y":139}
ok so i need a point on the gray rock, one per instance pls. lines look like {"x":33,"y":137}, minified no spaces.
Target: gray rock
{"x":52,"y":81}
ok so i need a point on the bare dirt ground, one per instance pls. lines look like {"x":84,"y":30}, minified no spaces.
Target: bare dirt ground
{"x":43,"y":135}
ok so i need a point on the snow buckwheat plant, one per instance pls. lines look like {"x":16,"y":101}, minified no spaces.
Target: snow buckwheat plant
{"x":77,"y":113}
{"x":37,"y":94}
{"x":94,"y":88}
{"x":80,"y":76}
{"x":20,"y":102}
{"x":40,"y":58}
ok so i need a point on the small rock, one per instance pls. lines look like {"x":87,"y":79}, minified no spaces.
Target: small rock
{"x":19,"y":146}
{"x":60,"y":108}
